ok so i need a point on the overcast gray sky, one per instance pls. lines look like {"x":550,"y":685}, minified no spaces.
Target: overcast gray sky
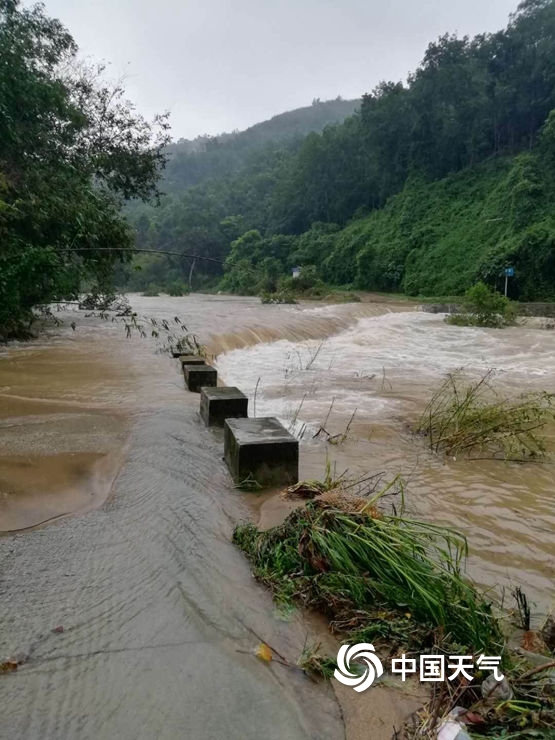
{"x":219,"y":65}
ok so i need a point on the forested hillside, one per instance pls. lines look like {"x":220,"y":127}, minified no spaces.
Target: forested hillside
{"x":431,"y":184}
{"x":192,"y":162}
{"x":438,"y":238}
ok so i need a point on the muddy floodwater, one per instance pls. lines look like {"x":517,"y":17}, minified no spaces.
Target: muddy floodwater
{"x":131,"y":613}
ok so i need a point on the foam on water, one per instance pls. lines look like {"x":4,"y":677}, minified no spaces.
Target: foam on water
{"x":386,"y":367}
{"x":355,"y":366}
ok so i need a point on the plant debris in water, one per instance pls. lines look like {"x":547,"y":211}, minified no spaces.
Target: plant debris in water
{"x":315,"y":664}
{"x":377,"y":576}
{"x":397,"y":582}
{"x":521,"y":706}
{"x":472,"y":419}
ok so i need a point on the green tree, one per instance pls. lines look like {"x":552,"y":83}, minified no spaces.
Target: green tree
{"x":71,"y":150}
{"x":484,"y":307}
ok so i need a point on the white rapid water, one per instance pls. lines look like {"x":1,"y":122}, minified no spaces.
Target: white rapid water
{"x":386,"y":367}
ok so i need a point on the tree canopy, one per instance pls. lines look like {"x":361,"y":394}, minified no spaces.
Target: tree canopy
{"x":71,"y":150}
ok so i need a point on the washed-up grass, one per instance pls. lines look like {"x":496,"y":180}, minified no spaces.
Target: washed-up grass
{"x":523,"y":706}
{"x":472,"y":419}
{"x":399,"y":583}
{"x":315,"y":664}
{"x":374,"y":574}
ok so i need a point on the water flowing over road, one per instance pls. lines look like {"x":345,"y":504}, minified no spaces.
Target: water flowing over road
{"x":386,"y":368}
{"x":159,"y":612}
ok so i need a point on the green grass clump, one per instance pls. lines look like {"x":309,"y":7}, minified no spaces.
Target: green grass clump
{"x":278,"y":297}
{"x":473,"y":420}
{"x":387,"y":572}
{"x":315,"y":664}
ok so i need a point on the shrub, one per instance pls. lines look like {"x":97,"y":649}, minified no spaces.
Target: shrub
{"x":308,"y":283}
{"x":484,"y":307}
{"x":152,"y":291}
{"x":177,"y":288}
{"x":278,"y":297}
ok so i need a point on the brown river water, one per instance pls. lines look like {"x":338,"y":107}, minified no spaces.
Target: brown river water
{"x":159,"y":612}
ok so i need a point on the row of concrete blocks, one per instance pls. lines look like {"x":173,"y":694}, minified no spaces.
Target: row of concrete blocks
{"x":257,"y":450}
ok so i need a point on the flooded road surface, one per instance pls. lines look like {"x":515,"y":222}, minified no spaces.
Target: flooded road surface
{"x":136,"y":617}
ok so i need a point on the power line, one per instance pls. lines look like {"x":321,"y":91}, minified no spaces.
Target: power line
{"x":150,"y":251}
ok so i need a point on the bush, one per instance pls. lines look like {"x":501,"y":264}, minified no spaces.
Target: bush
{"x":278,"y":297}
{"x":177,"y":288}
{"x":241,"y":278}
{"x":484,"y":307}
{"x":308,"y":283}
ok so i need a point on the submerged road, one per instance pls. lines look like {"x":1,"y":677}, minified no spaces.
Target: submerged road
{"x":140,"y":619}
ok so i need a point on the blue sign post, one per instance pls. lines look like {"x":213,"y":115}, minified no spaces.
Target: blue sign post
{"x":509,"y":272}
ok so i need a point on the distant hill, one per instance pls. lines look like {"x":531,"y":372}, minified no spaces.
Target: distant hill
{"x":193,"y":161}
{"x":298,"y":122}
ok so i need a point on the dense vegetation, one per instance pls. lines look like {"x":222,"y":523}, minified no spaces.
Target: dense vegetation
{"x":194,"y":162}
{"x":71,"y":149}
{"x":428,"y":187}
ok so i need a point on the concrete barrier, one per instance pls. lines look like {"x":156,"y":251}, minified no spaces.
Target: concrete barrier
{"x":197,"y":376}
{"x":191,"y":360}
{"x":261,"y":450}
{"x":219,"y":404}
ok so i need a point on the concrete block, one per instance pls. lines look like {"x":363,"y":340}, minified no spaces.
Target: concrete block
{"x":197,"y":376}
{"x":219,"y":404}
{"x":261,"y":449}
{"x":191,"y":360}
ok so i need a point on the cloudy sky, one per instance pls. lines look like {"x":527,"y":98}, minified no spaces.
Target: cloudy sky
{"x":220,"y":65}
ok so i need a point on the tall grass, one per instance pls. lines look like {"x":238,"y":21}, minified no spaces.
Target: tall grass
{"x":355,"y":565}
{"x":471,"y":418}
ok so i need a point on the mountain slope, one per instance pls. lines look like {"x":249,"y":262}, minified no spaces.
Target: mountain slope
{"x":438,"y":238}
{"x":192,"y":162}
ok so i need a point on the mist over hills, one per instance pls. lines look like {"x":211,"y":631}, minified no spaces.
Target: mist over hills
{"x":421,"y":187}
{"x":191,"y":161}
